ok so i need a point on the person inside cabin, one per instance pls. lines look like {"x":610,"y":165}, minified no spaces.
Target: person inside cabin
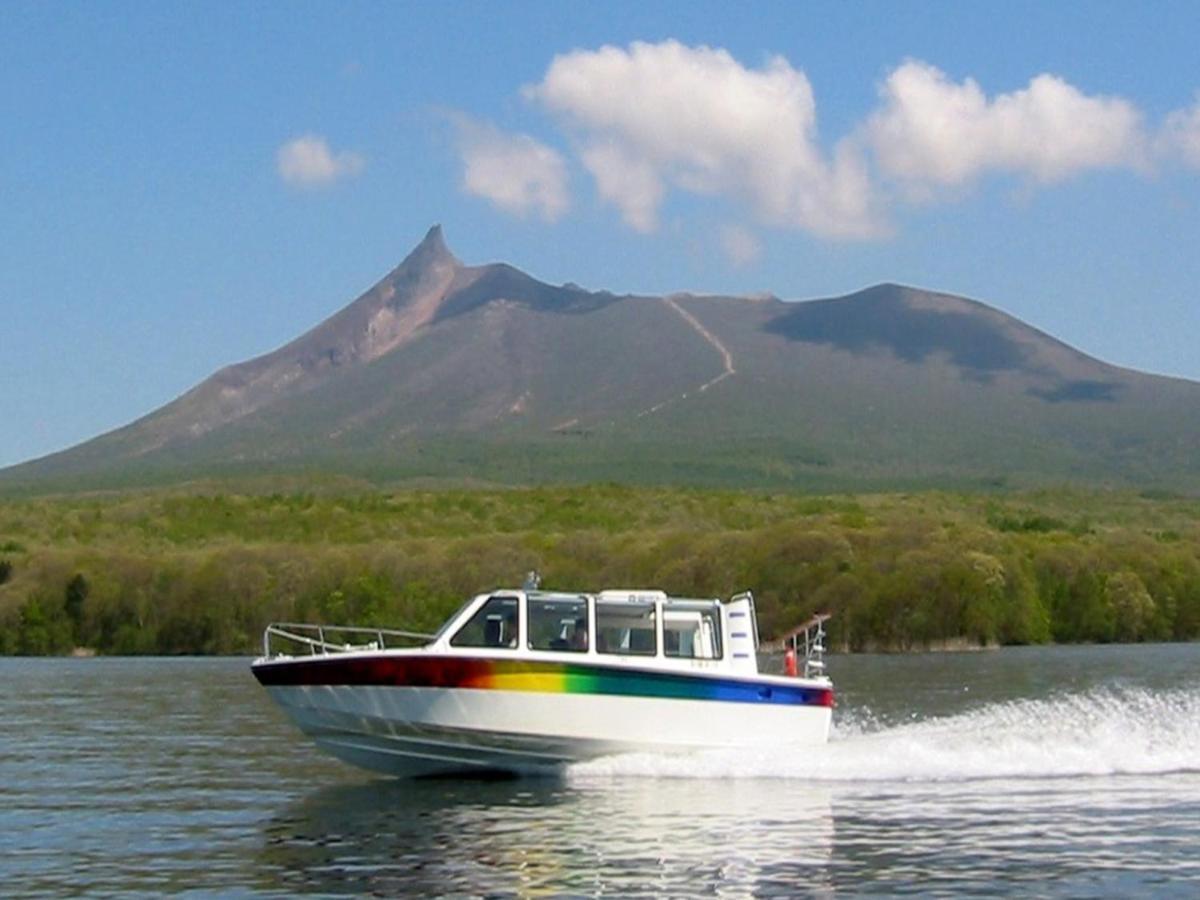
{"x":579,"y":637}
{"x":510,"y":629}
{"x":492,"y":631}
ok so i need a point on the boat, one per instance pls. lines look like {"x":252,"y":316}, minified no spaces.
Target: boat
{"x":527,"y":681}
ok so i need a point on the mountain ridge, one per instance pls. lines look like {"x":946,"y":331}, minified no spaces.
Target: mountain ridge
{"x":446,"y":370}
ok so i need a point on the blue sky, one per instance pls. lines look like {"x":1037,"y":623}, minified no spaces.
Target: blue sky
{"x":184,"y":186}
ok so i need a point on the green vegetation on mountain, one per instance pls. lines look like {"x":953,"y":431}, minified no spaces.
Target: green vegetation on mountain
{"x":203,"y":569}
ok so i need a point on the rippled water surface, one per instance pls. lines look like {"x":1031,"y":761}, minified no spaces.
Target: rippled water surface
{"x":1040,"y":771}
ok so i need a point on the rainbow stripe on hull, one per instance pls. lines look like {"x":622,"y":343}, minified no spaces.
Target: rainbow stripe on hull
{"x":541,"y":676}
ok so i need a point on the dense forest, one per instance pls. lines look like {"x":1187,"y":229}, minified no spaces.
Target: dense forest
{"x":203,"y":569}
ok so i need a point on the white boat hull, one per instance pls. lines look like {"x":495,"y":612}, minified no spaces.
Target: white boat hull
{"x":406,"y":730}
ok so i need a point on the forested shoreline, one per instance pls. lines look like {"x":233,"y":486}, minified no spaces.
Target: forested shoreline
{"x":203,"y":569}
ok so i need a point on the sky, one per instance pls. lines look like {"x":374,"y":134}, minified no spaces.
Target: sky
{"x":185,"y":185}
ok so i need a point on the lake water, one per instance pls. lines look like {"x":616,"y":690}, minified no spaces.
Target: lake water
{"x":1035,"y":771}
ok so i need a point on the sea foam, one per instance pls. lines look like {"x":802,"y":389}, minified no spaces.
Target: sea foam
{"x":1107,"y":731}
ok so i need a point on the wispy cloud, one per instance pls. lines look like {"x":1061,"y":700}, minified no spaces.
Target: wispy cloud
{"x":656,"y":117}
{"x":1180,"y":136}
{"x":307,"y":161}
{"x":740,"y":245}
{"x":512,"y":171}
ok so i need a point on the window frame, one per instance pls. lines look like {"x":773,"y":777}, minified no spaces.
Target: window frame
{"x":573,"y":599}
{"x":512,"y":643}
{"x":705,"y":609}
{"x":655,"y":609}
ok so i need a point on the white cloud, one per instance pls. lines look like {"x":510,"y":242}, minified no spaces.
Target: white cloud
{"x":664,"y":115}
{"x":307,"y":161}
{"x":652,"y":119}
{"x":513,"y":171}
{"x":630,"y":183}
{"x":1181,"y":134}
{"x":931,"y":131}
{"x":740,"y":245}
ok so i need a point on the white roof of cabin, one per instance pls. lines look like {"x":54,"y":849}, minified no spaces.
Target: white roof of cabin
{"x":620,"y":595}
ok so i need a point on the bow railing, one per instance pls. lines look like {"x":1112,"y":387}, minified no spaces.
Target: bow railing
{"x":286,"y":639}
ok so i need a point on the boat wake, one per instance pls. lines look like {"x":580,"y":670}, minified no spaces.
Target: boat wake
{"x":1107,"y":731}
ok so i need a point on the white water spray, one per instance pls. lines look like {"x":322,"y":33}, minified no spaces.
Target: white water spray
{"x":1101,"y":732}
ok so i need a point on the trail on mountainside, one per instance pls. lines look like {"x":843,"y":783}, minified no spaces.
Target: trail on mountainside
{"x":726,"y":357}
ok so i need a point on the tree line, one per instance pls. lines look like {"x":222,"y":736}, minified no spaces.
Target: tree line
{"x":203,"y":573}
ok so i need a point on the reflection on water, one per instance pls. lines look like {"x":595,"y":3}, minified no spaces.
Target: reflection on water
{"x":673,"y":837}
{"x":1064,"y":771}
{"x":544,"y":837}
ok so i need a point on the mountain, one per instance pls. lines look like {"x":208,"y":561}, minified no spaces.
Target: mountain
{"x":449,"y":371}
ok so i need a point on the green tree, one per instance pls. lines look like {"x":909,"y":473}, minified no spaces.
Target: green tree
{"x":42,"y":630}
{"x":74,"y":597}
{"x":1131,"y":604}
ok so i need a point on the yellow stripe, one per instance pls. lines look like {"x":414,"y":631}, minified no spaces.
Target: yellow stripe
{"x":539,"y":682}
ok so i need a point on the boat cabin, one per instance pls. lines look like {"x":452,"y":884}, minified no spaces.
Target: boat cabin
{"x":646,"y":627}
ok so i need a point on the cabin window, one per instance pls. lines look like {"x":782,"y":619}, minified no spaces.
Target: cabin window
{"x":559,"y":623}
{"x":495,"y":625}
{"x":626,"y":628}
{"x":691,"y":630}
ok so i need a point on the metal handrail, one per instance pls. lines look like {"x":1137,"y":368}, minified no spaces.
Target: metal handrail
{"x":807,"y":640}
{"x":314,"y":637}
{"x":812,"y":641}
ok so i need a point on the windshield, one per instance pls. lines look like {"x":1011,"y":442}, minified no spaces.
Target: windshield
{"x":441,"y":632}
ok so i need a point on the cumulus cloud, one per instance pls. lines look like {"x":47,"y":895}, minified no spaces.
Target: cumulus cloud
{"x":931,"y":131}
{"x":1180,"y":136}
{"x":740,"y":245}
{"x":654,"y":119}
{"x":512,"y":171}
{"x":660,"y":116}
{"x":308,"y":161}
